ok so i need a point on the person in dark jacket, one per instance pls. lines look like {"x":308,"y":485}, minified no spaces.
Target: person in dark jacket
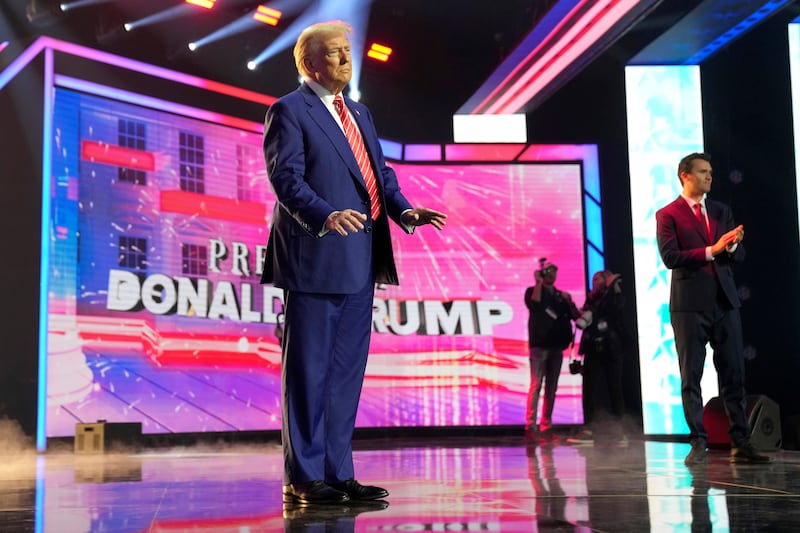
{"x":602,"y":349}
{"x":549,"y":334}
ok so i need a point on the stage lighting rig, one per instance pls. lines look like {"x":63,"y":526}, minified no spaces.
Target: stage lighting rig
{"x":267,"y":15}
{"x":379,"y":52}
{"x":41,"y":13}
{"x":108,"y":29}
{"x":207,"y":4}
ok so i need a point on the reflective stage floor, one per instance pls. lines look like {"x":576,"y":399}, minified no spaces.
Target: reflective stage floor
{"x":435,"y":484}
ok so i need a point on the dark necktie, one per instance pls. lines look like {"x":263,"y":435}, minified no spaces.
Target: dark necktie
{"x":360,"y":152}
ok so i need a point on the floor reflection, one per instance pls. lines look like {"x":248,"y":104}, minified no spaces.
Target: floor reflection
{"x":465,"y":484}
{"x":333,"y":518}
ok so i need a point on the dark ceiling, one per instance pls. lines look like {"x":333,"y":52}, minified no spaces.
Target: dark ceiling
{"x":443,"y":50}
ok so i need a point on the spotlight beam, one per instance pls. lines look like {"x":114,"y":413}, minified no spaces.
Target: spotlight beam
{"x":75,"y":4}
{"x":247,"y":22}
{"x":355,"y":12}
{"x":239,"y":25}
{"x":171,"y":13}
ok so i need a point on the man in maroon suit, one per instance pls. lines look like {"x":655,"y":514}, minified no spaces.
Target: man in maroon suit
{"x":699,"y":242}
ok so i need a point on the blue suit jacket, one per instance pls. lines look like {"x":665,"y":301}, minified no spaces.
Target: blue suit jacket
{"x":313,"y":172}
{"x":682,"y":241}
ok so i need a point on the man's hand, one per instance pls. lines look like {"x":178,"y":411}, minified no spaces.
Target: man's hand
{"x":728,"y":240}
{"x":422,"y":215}
{"x":345,"y":221}
{"x":736,"y":238}
{"x":739,"y":232}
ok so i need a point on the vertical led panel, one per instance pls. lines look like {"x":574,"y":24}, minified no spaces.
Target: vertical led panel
{"x":47,"y":131}
{"x":664,"y":124}
{"x":794,"y":68}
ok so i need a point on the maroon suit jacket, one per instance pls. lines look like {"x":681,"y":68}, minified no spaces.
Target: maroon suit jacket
{"x":682,"y":240}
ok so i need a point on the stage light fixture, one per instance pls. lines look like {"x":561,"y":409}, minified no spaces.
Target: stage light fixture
{"x":192,"y":46}
{"x":252,"y":65}
{"x":3,"y":45}
{"x":207,"y":4}
{"x":379,"y":52}
{"x":267,"y":15}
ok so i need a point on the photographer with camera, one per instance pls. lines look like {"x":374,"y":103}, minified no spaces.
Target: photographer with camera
{"x":602,"y":349}
{"x":549,"y":334}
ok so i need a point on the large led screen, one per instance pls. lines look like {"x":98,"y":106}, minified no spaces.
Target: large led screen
{"x":155,"y":313}
{"x":665,"y":123}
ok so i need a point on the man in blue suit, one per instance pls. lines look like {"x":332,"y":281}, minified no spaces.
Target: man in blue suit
{"x":329,"y":244}
{"x":699,"y":241}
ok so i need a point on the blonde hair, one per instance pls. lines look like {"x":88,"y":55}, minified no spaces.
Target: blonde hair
{"x":311,"y":39}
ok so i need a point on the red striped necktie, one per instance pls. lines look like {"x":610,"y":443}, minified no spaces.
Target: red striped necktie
{"x":360,"y":152}
{"x":698,"y":209}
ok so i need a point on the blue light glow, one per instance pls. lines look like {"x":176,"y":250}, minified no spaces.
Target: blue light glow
{"x":44,"y":267}
{"x":354,"y":12}
{"x":593,"y":230}
{"x":391,"y":149}
{"x":288,"y":8}
{"x":763,"y":12}
{"x":161,"y":16}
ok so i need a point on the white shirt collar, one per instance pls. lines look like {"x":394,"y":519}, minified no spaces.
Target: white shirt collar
{"x":327,"y":99}
{"x":691,"y":201}
{"x":321,"y":91}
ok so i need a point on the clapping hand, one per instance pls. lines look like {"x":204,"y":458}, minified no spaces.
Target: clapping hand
{"x":729,"y":240}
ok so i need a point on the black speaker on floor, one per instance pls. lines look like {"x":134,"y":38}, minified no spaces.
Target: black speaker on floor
{"x":762,"y":414}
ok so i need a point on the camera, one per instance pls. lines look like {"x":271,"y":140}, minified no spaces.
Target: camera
{"x":545,"y":268}
{"x":576,"y":367}
{"x":585,"y":320}
{"x":617,"y":285}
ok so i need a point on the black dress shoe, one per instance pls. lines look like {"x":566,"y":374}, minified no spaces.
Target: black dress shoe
{"x":357,"y":491}
{"x":697,"y":455}
{"x":313,"y":492}
{"x":746,"y":453}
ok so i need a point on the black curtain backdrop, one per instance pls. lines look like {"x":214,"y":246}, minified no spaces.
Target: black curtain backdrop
{"x":20,"y":208}
{"x":748,"y":127}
